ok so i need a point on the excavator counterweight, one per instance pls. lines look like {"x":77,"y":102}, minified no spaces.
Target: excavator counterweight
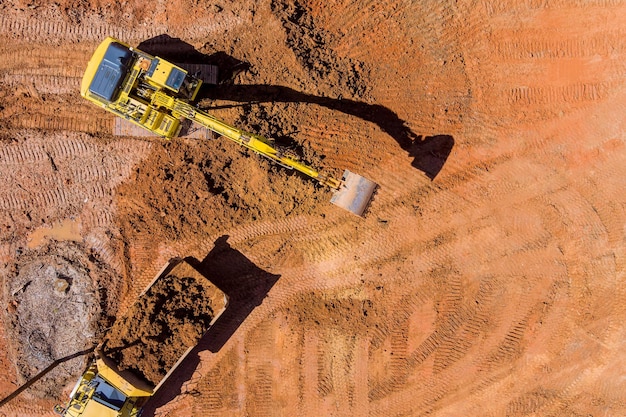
{"x":158,"y":95}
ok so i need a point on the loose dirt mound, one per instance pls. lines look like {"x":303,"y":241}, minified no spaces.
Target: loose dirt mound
{"x":168,"y":319}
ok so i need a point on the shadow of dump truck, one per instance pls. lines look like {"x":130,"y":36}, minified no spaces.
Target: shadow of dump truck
{"x":246,"y":286}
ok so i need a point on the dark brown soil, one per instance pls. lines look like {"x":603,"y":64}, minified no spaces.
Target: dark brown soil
{"x":167,"y":320}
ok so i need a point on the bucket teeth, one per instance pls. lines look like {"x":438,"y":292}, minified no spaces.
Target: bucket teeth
{"x":354,"y":194}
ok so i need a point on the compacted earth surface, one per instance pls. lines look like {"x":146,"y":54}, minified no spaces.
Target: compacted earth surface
{"x":486,"y":278}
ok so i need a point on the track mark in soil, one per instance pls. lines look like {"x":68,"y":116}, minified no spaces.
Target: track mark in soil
{"x":555,"y":95}
{"x":29,"y":29}
{"x":497,"y":8}
{"x":52,"y":121}
{"x":260,"y":370}
{"x":310,"y":383}
{"x":605,"y":45}
{"x":360,"y":377}
{"x":53,"y":84}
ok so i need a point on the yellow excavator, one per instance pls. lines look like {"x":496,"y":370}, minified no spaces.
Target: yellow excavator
{"x":159,"y":95}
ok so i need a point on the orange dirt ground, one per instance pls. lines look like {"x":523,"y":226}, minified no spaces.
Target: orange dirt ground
{"x":486,"y":280}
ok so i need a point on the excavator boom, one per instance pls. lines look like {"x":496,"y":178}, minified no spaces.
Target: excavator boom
{"x":256,"y":143}
{"x":157,"y":95}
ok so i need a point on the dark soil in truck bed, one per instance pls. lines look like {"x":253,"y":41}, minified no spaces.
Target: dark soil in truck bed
{"x":170,"y":317}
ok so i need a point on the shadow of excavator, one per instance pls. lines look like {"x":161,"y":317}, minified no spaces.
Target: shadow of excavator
{"x":246,"y":286}
{"x":429,"y":153}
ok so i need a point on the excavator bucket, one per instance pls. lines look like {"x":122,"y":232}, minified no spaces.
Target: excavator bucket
{"x":355,"y":193}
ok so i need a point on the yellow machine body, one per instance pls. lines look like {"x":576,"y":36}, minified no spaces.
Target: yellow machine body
{"x":97,"y":395}
{"x":157,"y":95}
{"x":121,"y":80}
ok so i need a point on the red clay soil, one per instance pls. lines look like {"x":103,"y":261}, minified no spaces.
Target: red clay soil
{"x":486,"y":279}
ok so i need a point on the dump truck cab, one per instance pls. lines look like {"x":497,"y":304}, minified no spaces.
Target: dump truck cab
{"x":95,"y":396}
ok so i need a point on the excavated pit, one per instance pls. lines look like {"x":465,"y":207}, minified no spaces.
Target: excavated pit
{"x":55,"y":310}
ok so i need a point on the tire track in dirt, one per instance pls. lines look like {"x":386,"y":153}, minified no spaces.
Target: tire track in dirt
{"x":539,"y":91}
{"x":340,"y":366}
{"x":308,"y":373}
{"x":430,"y":396}
{"x":62,"y":152}
{"x":25,"y":409}
{"x":259,"y":369}
{"x":33,"y":149}
{"x":49,"y":70}
{"x":32,"y":30}
{"x":532,"y":46}
{"x":397,"y":365}
{"x":588,"y":220}
{"x":551,"y":96}
{"x":511,"y":336}
{"x":438,"y":346}
{"x":359,"y":401}
{"x":24,"y":201}
{"x":350,"y":17}
{"x":92,"y":28}
{"x":342,"y":140}
{"x":501,"y":8}
{"x":324,"y":372}
{"x":52,"y":84}
{"x":53,"y":121}
{"x":289,"y":347}
{"x":218,"y":393}
{"x":100,"y":241}
{"x":22,"y":154}
{"x":556,"y":327}
{"x":561,"y":335}
{"x":40,"y":55}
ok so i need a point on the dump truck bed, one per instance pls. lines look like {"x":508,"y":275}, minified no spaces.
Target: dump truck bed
{"x":168,"y":319}
{"x":146,"y":345}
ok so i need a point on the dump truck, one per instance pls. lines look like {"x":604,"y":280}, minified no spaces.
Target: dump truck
{"x":129,"y":365}
{"x":159,"y":96}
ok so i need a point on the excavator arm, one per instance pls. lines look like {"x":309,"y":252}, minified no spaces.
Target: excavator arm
{"x":254,"y":142}
{"x":156,"y":95}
